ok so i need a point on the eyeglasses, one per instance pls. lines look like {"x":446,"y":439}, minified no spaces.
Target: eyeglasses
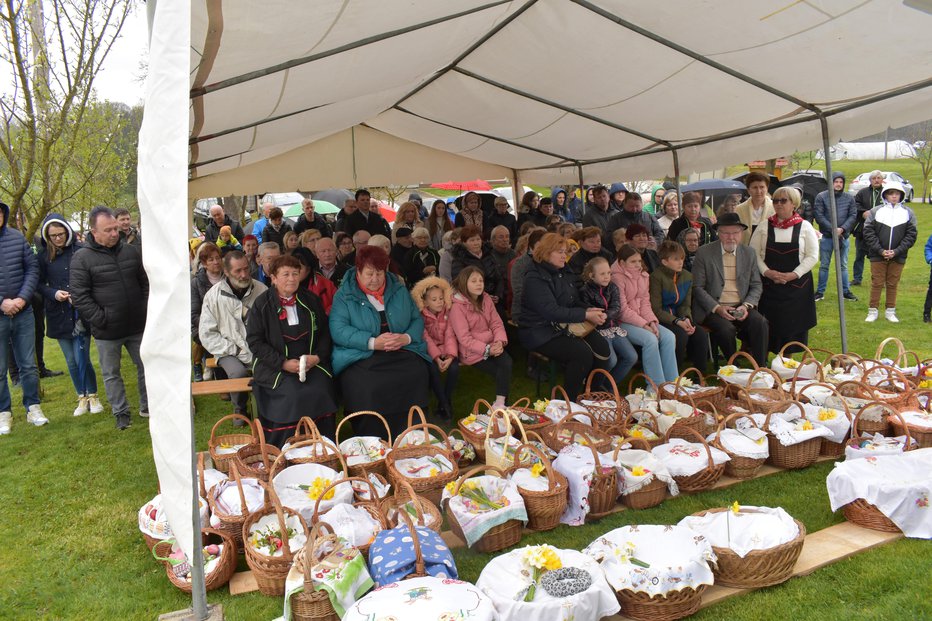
{"x":58,"y":235}
{"x":780,"y":201}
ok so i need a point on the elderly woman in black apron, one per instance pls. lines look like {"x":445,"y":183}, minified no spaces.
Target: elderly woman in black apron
{"x":787,"y":250}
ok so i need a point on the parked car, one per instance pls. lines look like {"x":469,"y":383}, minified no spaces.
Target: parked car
{"x":863,"y":180}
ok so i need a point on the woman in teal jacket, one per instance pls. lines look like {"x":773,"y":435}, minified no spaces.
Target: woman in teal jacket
{"x":379,"y":353}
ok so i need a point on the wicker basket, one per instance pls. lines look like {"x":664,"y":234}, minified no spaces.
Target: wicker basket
{"x":739,"y":467}
{"x":649,"y":495}
{"x":705,"y":478}
{"x":603,"y":489}
{"x":325,"y":452}
{"x":523,"y":405}
{"x":255,"y":460}
{"x":891,"y":416}
{"x":696,"y":421}
{"x":370,"y":506}
{"x":713,"y":394}
{"x":758,"y":568}
{"x":477,"y":439}
{"x":649,"y":386}
{"x":428,"y":487}
{"x":828,"y":448}
{"x":651,"y":424}
{"x":464,"y":460}
{"x":673,"y":605}
{"x":763,"y":400}
{"x":922,"y":435}
{"x":377,"y":466}
{"x":865,"y":514}
{"x":427,"y":513}
{"x":222,"y":461}
{"x":311,"y":605}
{"x":271,"y":572}
{"x":230,"y":523}
{"x":223,"y":571}
{"x":544,"y":507}
{"x":552,"y":435}
{"x":894,"y":389}
{"x":502,"y":460}
{"x":605,"y":416}
{"x":498,"y":537}
{"x":795,"y":456}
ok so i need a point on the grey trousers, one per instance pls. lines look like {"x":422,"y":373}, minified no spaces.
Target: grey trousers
{"x":235,"y":369}
{"x":110,"y":353}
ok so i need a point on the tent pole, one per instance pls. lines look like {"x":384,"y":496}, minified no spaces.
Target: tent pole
{"x":676,"y":173}
{"x":582,"y":195}
{"x":835,"y":242}
{"x":198,"y":588}
{"x":516,"y":189}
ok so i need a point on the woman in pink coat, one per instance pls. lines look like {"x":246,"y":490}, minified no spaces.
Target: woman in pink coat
{"x":433,"y":297}
{"x":658,"y":344}
{"x":480,"y":333}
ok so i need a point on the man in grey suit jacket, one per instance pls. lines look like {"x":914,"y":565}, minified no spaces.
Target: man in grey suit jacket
{"x":726,"y":290}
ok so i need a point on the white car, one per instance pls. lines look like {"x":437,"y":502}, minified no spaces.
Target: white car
{"x":863,"y":180}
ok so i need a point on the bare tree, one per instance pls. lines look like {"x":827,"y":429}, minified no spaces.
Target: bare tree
{"x":805,"y":160}
{"x":922,"y":142}
{"x":55,"y":142}
{"x":389,"y":193}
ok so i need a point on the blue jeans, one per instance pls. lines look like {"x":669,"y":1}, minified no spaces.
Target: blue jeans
{"x":658,"y":356}
{"x":860,"y":253}
{"x":622,"y":357}
{"x":20,"y":330}
{"x":825,"y":258}
{"x":77,"y":352}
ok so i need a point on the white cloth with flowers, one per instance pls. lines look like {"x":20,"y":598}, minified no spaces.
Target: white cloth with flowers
{"x":741,"y":440}
{"x":787,"y":368}
{"x":830,"y":418}
{"x":426,"y":599}
{"x":751,"y":528}
{"x":227,"y":499}
{"x":556,"y":411}
{"x":636,"y":468}
{"x":153,"y":520}
{"x":524,"y":478}
{"x":669,"y":412}
{"x":423,"y":467}
{"x":270,"y":521}
{"x":354,"y":524}
{"x":475,"y":519}
{"x":899,"y":485}
{"x":874,"y":446}
{"x":684,"y":458}
{"x":577,"y":464}
{"x":288,"y":485}
{"x":318,"y":450}
{"x":735,"y":375}
{"x":363,"y":450}
{"x":677,"y":558}
{"x":363,"y":492}
{"x":507,"y":575}
{"x":790,"y":428}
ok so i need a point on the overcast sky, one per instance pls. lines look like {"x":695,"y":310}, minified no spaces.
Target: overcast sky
{"x":120,"y":77}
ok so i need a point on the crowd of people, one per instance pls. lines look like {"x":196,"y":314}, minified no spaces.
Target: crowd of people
{"x":362,"y":314}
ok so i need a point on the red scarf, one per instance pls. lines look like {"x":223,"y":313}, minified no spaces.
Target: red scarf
{"x":696,"y":225}
{"x":283,"y":314}
{"x":378,"y":294}
{"x":785,"y":224}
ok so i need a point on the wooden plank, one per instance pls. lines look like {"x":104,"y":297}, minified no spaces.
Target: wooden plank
{"x":243,"y":582}
{"x":218,"y":387}
{"x":211,"y":363}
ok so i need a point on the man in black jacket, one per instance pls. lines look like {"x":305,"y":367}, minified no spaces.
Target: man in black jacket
{"x":311,"y":220}
{"x":865,"y":200}
{"x":366,"y":218}
{"x":110,"y":290}
{"x":219,"y":219}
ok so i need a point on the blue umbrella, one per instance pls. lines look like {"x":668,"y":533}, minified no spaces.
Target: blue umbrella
{"x":711,"y":185}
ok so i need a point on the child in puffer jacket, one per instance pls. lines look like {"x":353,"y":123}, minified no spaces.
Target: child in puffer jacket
{"x":434,"y":297}
{"x":598,"y":291}
{"x":889,"y":232}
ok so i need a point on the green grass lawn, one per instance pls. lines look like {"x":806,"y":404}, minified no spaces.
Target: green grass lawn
{"x":70,"y":492}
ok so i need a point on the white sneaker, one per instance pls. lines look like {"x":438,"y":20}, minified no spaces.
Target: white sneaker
{"x":6,"y":420}
{"x":35,"y":416}
{"x":82,"y":408}
{"x":890,"y":315}
{"x":144,"y":414}
{"x":94,"y":404}
{"x":871,"y":315}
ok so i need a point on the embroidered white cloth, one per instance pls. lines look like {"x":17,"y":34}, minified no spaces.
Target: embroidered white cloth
{"x":363,"y":450}
{"x":212,"y":477}
{"x":153,"y":520}
{"x":226,"y":495}
{"x":424,"y":599}
{"x":878,"y":444}
{"x":227,"y":449}
{"x":734,"y":375}
{"x":740,"y":442}
{"x":752,"y":528}
{"x":677,"y":558}
{"x":422,"y":467}
{"x":556,"y":411}
{"x":683,"y":458}
{"x":917,"y":418}
{"x":476,"y":519}
{"x":524,"y":479}
{"x":270,"y":521}
{"x":505,"y":576}
{"x":787,"y":368}
{"x":288,"y":485}
{"x":311,"y":450}
{"x":789,"y":429}
{"x":815,"y":394}
{"x":898,"y":485}
{"x":362,"y":491}
{"x":354,"y":524}
{"x":834,"y":420}
{"x":636,"y":468}
{"x":576,"y":463}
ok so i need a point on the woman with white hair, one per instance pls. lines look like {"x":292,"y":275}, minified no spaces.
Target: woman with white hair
{"x":787,"y":249}
{"x":421,"y":260}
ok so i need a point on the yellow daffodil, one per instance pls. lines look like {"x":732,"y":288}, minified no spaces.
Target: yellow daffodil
{"x":636,"y":433}
{"x":450,"y":487}
{"x":541,"y":405}
{"x":735,"y":507}
{"x":926,"y":383}
{"x":789,"y":363}
{"x":826,"y":414}
{"x":727,"y":371}
{"x":807,"y":426}
{"x":433,"y":472}
{"x":537,"y":469}
{"x":928,"y":371}
{"x":469,"y":419}
{"x":638,"y":471}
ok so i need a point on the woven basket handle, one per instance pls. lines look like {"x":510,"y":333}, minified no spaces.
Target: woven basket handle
{"x":689,"y":431}
{"x":419,"y":566}
{"x":472,"y":471}
{"x":566,"y":398}
{"x":648,"y":382}
{"x":388,"y":431}
{"x":900,"y":348}
{"x":427,"y":428}
{"x":315,"y":517}
{"x":310,"y":550}
{"x":200,"y":476}
{"x":213,"y":430}
{"x":834,"y":391}
{"x":820,"y":374}
{"x":611,"y":382}
{"x":283,"y":526}
{"x":516,"y":422}
{"x":263,"y":447}
{"x":777,"y":380}
{"x":653,"y":425}
{"x":640,"y":442}
{"x":684,"y":374}
{"x":724,"y":424}
{"x":523,"y":402}
{"x":806,"y":351}
{"x":404,"y":489}
{"x":416,"y":409}
{"x":308,"y":427}
{"x":234,"y":472}
{"x":494,"y":415}
{"x":481,"y":401}
{"x":746,"y":356}
{"x":551,"y":480}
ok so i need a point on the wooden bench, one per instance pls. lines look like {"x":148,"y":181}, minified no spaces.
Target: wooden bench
{"x":211,"y":363}
{"x":219,"y":387}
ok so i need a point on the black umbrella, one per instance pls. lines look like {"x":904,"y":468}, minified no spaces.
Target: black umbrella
{"x":337,"y":196}
{"x":811,"y":185}
{"x":724,"y":186}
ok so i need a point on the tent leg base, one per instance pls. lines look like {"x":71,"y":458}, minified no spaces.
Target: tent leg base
{"x":214,"y":613}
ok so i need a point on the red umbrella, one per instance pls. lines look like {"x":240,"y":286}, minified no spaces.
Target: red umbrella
{"x":477,"y":185}
{"x":387,"y":212}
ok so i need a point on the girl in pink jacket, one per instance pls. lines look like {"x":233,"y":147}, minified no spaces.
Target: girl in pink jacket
{"x":434,"y":296}
{"x":658,"y":344}
{"x":480,"y":333}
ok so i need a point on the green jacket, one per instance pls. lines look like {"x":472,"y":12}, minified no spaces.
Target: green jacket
{"x":671,"y":294}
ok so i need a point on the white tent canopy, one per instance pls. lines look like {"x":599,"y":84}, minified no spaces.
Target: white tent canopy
{"x":367,"y":92}
{"x":895,"y":149}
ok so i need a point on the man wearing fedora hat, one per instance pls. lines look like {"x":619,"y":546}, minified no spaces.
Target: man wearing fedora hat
{"x":726,"y":290}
